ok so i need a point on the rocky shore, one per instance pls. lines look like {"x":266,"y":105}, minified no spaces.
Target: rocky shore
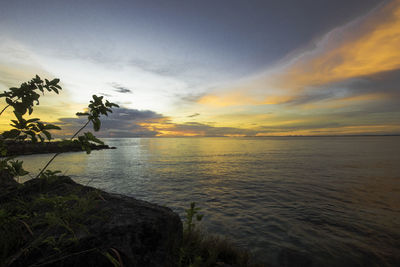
{"x":29,"y":148}
{"x":57,"y":222}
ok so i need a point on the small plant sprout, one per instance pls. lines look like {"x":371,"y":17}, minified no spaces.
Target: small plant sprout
{"x":191,"y":214}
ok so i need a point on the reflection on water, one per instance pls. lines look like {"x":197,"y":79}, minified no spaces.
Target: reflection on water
{"x":321,"y":201}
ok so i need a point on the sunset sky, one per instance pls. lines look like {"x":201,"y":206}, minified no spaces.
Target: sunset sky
{"x":210,"y":68}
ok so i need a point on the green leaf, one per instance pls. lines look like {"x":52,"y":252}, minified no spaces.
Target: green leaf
{"x":55,"y":81}
{"x":96,"y":124}
{"x":90,"y":137}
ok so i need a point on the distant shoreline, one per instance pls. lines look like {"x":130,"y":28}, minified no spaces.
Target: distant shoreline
{"x":29,"y":148}
{"x":270,"y":136}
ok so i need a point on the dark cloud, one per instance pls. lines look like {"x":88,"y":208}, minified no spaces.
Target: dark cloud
{"x":125,"y":122}
{"x":121,"y":89}
{"x":385,"y":83}
{"x":122,"y":122}
{"x":191,"y":97}
{"x":194,"y":115}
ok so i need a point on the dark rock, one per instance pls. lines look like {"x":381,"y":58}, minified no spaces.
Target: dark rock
{"x":28,"y":148}
{"x":136,"y":232}
{"x":7,"y":182}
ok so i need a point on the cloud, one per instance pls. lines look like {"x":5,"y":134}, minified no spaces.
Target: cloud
{"x":122,"y":122}
{"x":194,"y":115}
{"x":363,"y":48}
{"x":125,"y":122}
{"x":121,"y":89}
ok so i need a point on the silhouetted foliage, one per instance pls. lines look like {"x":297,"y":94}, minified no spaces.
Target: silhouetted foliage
{"x":22,"y":100}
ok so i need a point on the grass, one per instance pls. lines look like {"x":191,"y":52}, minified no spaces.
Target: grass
{"x":44,"y":225}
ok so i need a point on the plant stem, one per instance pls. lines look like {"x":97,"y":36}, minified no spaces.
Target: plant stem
{"x":4,"y":109}
{"x":51,"y":160}
{"x":80,"y":129}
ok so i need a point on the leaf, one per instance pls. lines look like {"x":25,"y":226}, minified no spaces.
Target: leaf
{"x":89,"y":136}
{"x":96,"y":124}
{"x":32,"y":120}
{"x":34,"y":139}
{"x":11,"y":134}
{"x":40,"y":125}
{"x":51,"y":127}
{"x":20,"y":108}
{"x":18,"y":115}
{"x":31,"y":133}
{"x":47,"y":134}
{"x":55,"y":81}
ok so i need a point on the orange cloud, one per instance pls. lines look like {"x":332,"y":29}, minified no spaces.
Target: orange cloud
{"x":346,"y":101}
{"x":364,"y":47}
{"x":341,"y":130}
{"x":240,"y":98}
{"x":375,"y":50}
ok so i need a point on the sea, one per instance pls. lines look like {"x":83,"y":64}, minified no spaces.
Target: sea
{"x":291,"y":201}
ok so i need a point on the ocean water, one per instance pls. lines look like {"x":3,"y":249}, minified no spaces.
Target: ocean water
{"x":311,"y":201}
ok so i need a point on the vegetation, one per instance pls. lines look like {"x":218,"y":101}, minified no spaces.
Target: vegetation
{"x":200,"y":249}
{"x":45,"y":225}
{"x":42,"y":223}
{"x":22,"y":99}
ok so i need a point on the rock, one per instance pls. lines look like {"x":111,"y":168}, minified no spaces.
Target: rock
{"x":134,"y":232}
{"x":28,"y":148}
{"x":7,"y":182}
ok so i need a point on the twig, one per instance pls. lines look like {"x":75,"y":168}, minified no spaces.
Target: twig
{"x":51,"y":160}
{"x":4,"y":109}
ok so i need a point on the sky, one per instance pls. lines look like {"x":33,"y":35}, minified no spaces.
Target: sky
{"x":210,"y":68}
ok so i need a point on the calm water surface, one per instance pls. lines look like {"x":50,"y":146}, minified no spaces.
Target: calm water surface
{"x":330,"y":201}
